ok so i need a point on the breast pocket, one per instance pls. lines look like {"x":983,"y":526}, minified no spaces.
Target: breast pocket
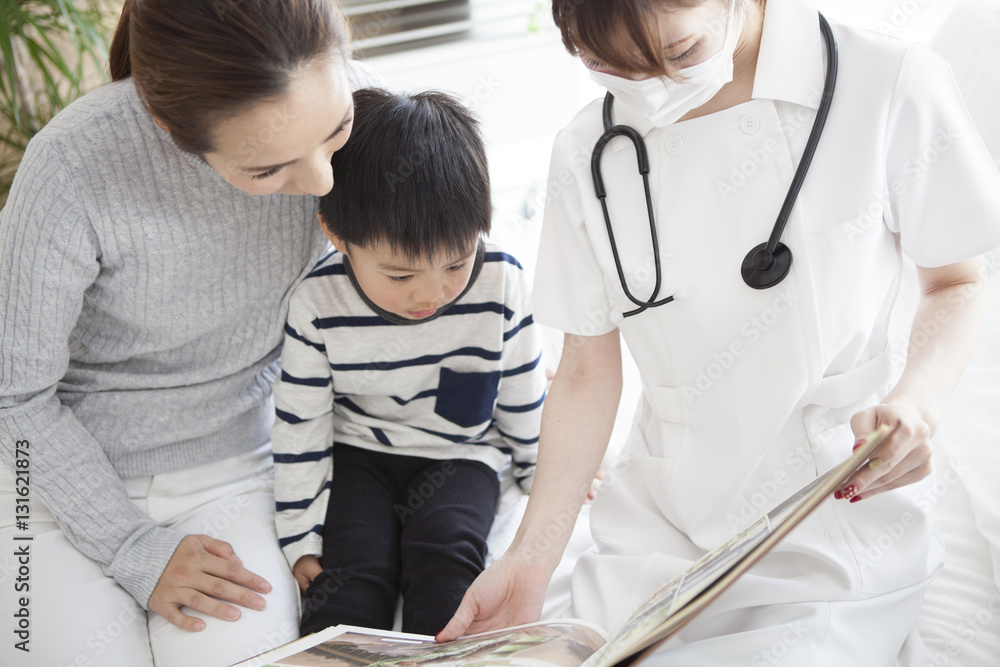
{"x":467,"y":399}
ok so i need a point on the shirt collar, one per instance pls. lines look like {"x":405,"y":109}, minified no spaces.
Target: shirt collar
{"x":790,"y":63}
{"x":477,"y":267}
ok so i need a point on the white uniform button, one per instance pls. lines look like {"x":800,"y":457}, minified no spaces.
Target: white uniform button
{"x":675,"y":144}
{"x":750,"y":124}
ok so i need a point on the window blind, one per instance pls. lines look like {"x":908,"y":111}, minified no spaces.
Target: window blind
{"x":379,"y":26}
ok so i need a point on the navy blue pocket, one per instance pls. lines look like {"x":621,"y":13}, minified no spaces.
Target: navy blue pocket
{"x":467,"y":399}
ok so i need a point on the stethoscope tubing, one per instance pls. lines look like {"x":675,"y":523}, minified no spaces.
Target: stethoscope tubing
{"x":759,"y":268}
{"x":814,"y":134}
{"x":642,"y":158}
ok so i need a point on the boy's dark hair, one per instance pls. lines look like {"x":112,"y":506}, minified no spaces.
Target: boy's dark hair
{"x":413,"y":176}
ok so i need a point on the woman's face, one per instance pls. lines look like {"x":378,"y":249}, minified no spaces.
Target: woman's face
{"x":689,"y":35}
{"x":284,"y":145}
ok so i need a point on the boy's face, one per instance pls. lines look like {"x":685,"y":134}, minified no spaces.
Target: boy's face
{"x":410,"y":288}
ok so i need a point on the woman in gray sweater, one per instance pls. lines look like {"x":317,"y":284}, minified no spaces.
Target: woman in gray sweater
{"x":151,"y":239}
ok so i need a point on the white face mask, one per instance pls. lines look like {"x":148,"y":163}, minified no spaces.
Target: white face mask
{"x":663,"y":100}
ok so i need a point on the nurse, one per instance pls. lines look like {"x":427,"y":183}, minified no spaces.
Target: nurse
{"x":750,"y":393}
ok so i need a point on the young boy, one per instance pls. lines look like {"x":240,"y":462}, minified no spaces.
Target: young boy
{"x":411,"y":375}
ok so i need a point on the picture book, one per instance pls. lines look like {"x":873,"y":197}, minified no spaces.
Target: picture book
{"x":572,"y":642}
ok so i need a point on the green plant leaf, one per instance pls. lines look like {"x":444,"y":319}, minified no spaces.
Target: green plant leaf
{"x":40,"y":28}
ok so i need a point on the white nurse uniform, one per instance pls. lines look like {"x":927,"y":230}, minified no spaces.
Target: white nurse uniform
{"x":747,"y":394}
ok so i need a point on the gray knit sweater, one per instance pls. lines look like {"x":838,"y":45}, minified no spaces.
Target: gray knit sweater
{"x":142,"y":305}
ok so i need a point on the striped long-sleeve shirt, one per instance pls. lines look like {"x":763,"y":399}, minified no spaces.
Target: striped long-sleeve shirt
{"x":467,"y":384}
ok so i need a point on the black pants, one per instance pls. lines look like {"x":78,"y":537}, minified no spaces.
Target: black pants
{"x":400,"y":524}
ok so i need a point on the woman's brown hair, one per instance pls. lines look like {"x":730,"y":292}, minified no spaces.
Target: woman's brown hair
{"x":620,"y":33}
{"x":195,"y":62}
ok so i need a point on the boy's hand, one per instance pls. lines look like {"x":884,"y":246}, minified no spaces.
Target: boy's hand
{"x":306,"y":569}
{"x":204,"y":573}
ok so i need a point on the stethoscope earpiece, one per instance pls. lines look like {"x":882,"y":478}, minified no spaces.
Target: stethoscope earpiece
{"x":763,"y":268}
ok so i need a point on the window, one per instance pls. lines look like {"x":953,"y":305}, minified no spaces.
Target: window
{"x":394,"y":25}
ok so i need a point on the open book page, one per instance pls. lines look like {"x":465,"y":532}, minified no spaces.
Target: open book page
{"x":549,"y":644}
{"x":660,"y":615}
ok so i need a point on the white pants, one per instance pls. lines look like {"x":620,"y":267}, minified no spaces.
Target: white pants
{"x":80,"y":617}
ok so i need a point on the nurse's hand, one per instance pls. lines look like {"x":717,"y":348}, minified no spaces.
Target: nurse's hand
{"x":509,"y":592}
{"x":203,"y":574}
{"x":904,"y":458}
{"x":949,"y":316}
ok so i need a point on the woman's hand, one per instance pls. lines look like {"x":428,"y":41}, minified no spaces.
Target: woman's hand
{"x":943,"y":335}
{"x":306,"y":569}
{"x":577,"y":421}
{"x":509,"y":592}
{"x":903,"y":459}
{"x":202,"y":574}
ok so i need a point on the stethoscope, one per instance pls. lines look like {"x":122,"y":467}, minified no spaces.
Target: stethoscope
{"x":765,"y":265}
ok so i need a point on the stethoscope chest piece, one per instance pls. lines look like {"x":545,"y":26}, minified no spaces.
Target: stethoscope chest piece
{"x":763,"y":268}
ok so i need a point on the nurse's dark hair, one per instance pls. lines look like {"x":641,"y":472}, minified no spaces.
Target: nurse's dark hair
{"x":197,"y":62}
{"x":412,"y":178}
{"x":620,"y":33}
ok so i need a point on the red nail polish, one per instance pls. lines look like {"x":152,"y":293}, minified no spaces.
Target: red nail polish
{"x":855,"y":499}
{"x":860,"y":442}
{"x":838,"y":495}
{"x":850,"y":491}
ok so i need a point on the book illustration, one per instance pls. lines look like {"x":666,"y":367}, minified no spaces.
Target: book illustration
{"x":552,"y":644}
